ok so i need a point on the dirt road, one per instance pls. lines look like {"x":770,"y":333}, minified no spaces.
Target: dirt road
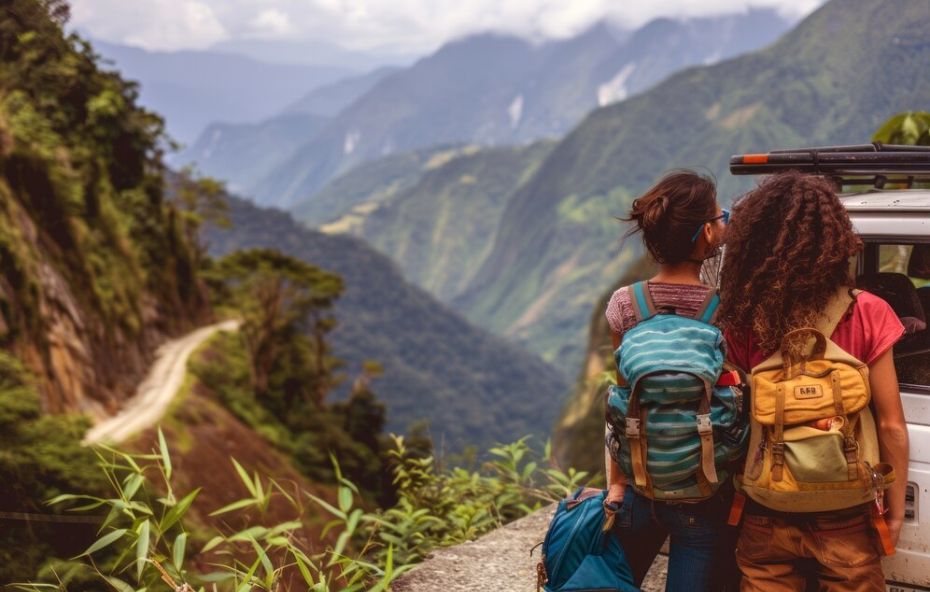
{"x":155,"y":392}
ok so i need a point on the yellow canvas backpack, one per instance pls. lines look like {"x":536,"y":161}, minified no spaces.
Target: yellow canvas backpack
{"x":813,"y":445}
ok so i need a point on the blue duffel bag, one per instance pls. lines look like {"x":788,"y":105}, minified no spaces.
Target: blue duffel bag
{"x":577,"y":555}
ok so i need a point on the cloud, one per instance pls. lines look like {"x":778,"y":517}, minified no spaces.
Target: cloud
{"x":403,"y":25}
{"x":273,"y":24}
{"x":151,"y":24}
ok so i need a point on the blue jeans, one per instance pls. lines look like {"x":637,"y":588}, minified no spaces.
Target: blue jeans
{"x":701,"y":546}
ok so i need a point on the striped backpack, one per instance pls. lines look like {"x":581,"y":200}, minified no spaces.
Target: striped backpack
{"x":676,"y":418}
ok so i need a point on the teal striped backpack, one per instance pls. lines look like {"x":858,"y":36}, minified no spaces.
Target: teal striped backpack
{"x":676,"y":419}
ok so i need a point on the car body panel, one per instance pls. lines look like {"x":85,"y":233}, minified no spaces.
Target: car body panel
{"x":903,"y":216}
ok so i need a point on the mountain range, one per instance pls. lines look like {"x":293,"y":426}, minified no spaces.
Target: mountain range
{"x":831,"y":80}
{"x":240,"y":152}
{"x":190,"y":89}
{"x":493,"y":89}
{"x":557,"y":244}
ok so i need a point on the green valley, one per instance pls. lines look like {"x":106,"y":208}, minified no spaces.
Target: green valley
{"x":472,"y":387}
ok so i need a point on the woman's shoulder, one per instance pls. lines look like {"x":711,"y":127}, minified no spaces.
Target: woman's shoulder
{"x":685,"y":298}
{"x":620,"y":315}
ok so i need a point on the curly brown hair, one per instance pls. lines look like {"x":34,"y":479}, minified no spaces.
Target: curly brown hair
{"x":788,"y":248}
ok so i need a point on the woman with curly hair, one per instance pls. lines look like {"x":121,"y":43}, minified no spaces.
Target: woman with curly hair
{"x":788,"y":253}
{"x":681,"y":226}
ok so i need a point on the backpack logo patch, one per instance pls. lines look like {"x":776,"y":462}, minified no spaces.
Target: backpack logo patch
{"x":813,"y":391}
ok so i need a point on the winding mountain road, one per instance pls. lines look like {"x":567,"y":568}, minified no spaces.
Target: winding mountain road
{"x":156,"y":391}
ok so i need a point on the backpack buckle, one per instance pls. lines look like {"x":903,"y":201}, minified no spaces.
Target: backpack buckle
{"x":704,"y":424}
{"x":778,"y":453}
{"x":632,"y":427}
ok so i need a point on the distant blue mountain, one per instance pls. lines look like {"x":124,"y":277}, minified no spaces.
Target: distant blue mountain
{"x":190,"y":89}
{"x":493,"y":89}
{"x":241,"y":152}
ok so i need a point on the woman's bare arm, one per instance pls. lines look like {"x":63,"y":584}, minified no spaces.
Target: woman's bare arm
{"x":616,"y":480}
{"x":892,"y":434}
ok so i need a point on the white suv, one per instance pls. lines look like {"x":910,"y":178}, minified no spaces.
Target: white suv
{"x":895,"y":226}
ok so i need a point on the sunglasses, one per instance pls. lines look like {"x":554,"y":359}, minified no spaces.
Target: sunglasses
{"x":724,"y":215}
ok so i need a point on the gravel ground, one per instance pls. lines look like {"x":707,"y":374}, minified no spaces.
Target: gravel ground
{"x":498,"y":562}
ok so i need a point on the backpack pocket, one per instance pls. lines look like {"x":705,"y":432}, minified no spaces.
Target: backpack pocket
{"x":813,"y":455}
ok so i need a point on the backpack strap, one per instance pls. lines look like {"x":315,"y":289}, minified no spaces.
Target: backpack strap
{"x":705,"y":430}
{"x":643,"y":306}
{"x":633,"y":428}
{"x":707,"y":312}
{"x":836,"y":310}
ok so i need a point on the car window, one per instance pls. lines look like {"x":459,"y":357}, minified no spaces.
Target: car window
{"x":900,"y":273}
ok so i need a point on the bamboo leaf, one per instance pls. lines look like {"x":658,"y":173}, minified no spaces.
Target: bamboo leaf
{"x":385,"y":581}
{"x":243,"y":503}
{"x":177,"y":550}
{"x":263,"y":557}
{"x":246,"y":584}
{"x":345,"y":499}
{"x":178,"y":510}
{"x":69,"y":496}
{"x":329,"y":508}
{"x":105,"y":540}
{"x":212,"y":543}
{"x":244,"y":477}
{"x":142,"y":548}
{"x":216,"y":576}
{"x":304,"y":570}
{"x":165,"y":457}
{"x":133,"y":482}
{"x":119,"y":584}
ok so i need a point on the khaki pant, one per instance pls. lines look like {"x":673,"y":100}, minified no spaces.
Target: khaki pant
{"x":779,"y":554}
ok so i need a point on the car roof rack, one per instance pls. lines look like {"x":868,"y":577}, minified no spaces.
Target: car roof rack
{"x":860,"y":164}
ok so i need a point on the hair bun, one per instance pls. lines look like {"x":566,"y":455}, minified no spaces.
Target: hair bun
{"x":648,"y":211}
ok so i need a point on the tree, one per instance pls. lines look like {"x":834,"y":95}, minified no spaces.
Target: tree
{"x":912,"y":128}
{"x":284,"y":304}
{"x":199,"y":199}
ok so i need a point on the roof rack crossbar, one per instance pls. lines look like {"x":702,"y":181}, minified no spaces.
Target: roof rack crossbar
{"x":873,"y":147}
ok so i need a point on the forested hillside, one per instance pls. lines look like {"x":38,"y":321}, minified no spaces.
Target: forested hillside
{"x":439,"y":230}
{"x":350,"y":197}
{"x":100,"y":263}
{"x":472,"y":387}
{"x":96,"y":268}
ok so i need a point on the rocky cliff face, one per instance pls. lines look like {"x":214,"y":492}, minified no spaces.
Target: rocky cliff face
{"x":96,"y":264}
{"x":82,"y":360}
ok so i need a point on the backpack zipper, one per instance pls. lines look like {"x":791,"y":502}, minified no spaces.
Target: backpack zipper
{"x":561,"y":556}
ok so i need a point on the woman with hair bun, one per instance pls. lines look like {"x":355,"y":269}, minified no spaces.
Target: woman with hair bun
{"x":681,"y":226}
{"x":787,"y":270}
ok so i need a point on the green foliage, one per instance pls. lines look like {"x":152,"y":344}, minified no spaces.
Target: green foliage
{"x":284,"y":304}
{"x":144,"y":541}
{"x":306,"y":430}
{"x":912,"y":127}
{"x":472,"y":387}
{"x":80,"y":173}
{"x":199,"y":200}
{"x":439,"y":229}
{"x":40,"y":457}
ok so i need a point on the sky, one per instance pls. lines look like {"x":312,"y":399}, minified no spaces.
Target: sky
{"x":400,"y":26}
